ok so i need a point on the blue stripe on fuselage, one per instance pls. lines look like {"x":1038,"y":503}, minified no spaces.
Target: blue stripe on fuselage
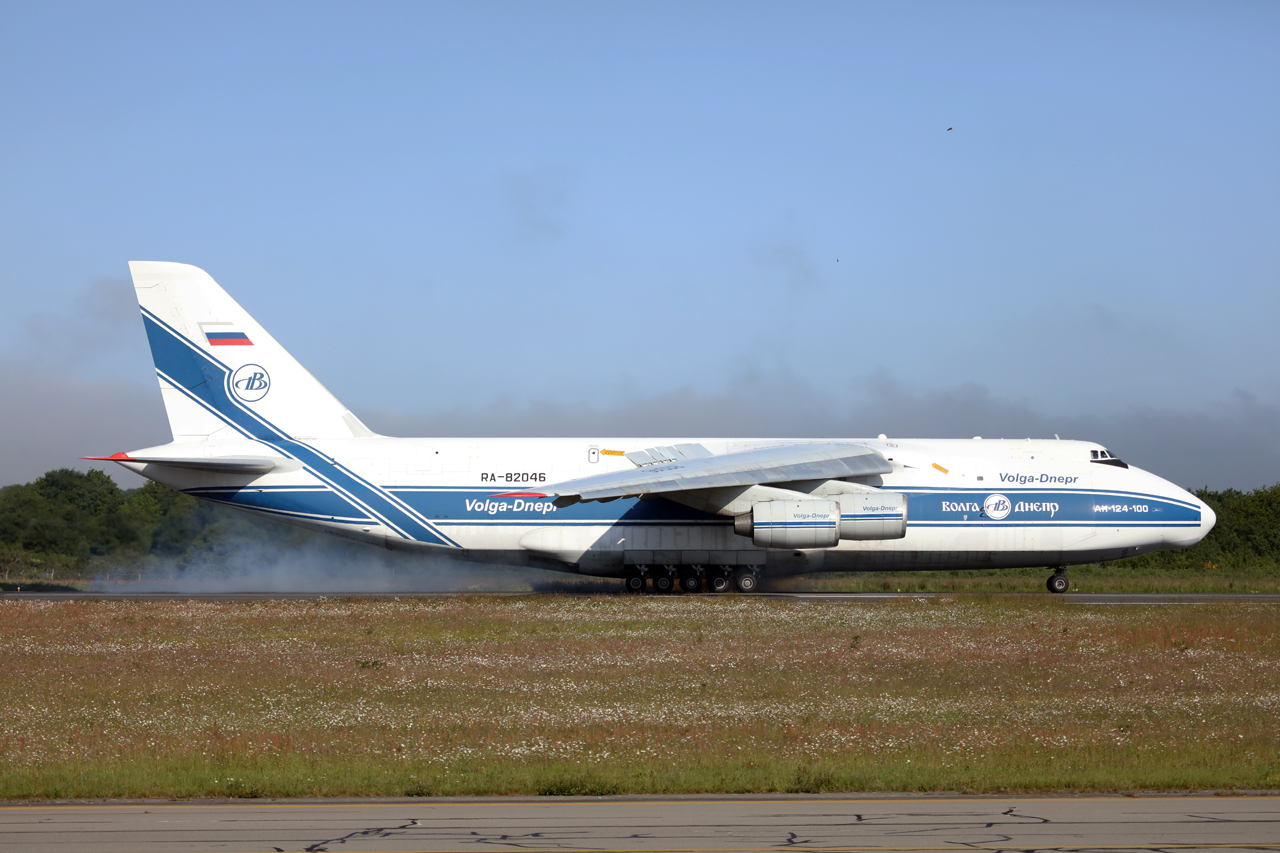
{"x":446,"y":505}
{"x":204,"y":379}
{"x":938,"y":490}
{"x":316,"y":502}
{"x":1050,"y":507}
{"x":461,"y":504}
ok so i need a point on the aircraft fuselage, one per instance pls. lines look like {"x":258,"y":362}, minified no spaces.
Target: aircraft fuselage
{"x":970,"y":504}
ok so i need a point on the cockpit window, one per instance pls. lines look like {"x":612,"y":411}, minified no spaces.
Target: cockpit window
{"x":1102,"y":457}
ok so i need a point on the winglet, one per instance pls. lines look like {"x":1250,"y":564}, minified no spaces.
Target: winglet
{"x":114,"y":457}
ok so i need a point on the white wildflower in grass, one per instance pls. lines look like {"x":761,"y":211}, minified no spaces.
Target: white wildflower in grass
{"x":608,"y":694}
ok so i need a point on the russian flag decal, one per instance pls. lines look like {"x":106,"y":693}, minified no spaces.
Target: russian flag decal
{"x":224,"y":335}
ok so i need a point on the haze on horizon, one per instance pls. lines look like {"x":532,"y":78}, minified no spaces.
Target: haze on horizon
{"x":693,"y":219}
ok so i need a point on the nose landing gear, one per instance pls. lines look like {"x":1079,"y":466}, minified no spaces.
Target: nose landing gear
{"x":1057,"y":582}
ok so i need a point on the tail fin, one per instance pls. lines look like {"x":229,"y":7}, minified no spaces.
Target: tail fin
{"x":219,"y":370}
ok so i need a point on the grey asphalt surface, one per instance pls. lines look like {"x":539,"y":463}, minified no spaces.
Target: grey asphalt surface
{"x":702,"y":824}
{"x":1076,"y":597}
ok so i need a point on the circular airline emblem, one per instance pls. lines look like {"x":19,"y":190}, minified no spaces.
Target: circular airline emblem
{"x":251,"y":383}
{"x":996,"y":507}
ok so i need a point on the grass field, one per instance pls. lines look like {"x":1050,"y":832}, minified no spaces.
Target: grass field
{"x":1119,"y":577}
{"x":611,"y":694}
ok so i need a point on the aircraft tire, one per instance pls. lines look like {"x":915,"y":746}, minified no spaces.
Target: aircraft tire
{"x":663,"y":583}
{"x":1058,"y":584}
{"x":634,"y":583}
{"x":747,"y":582}
{"x":720,"y":583}
{"x":690,"y":581}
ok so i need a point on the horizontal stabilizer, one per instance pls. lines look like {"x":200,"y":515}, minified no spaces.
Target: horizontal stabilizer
{"x":217,"y":464}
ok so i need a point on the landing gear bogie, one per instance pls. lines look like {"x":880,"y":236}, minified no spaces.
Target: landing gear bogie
{"x":668,"y":580}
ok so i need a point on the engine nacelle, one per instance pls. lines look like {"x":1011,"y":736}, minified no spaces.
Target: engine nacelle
{"x":873,"y":515}
{"x":791,"y":524}
{"x":823,"y":523}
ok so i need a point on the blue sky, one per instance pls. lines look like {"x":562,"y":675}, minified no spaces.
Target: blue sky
{"x":747,"y":218}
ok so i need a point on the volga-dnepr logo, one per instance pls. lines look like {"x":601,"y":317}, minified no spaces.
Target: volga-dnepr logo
{"x":251,"y":383}
{"x":996,"y":507}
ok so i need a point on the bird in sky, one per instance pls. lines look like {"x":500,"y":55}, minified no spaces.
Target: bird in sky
{"x":948,"y":128}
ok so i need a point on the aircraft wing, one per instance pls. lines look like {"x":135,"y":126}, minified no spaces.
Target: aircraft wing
{"x":694,"y":468}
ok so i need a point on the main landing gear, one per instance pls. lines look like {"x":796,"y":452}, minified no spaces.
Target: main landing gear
{"x":634,"y":582}
{"x":1057,"y":582}
{"x":690,"y":579}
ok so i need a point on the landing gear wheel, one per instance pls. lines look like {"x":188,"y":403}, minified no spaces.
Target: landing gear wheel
{"x":747,"y":582}
{"x":1058,"y":584}
{"x":634,"y":583}
{"x":720,"y":583}
{"x":691,"y":582}
{"x":663,"y":583}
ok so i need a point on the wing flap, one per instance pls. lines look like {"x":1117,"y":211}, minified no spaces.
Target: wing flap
{"x":667,"y":453}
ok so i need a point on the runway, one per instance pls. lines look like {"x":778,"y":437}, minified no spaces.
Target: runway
{"x":697,"y":824}
{"x":851,"y":597}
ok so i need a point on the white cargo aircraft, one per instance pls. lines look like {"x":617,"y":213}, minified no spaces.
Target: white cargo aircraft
{"x":252,"y":429}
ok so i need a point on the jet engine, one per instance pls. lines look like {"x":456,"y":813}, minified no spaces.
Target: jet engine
{"x":873,"y":515}
{"x":791,"y":524}
{"x":823,"y":523}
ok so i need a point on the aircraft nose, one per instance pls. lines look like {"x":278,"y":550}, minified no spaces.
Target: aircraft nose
{"x":1208,"y":518}
{"x":1185,"y":537}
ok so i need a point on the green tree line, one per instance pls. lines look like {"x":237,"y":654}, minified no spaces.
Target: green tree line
{"x":69,"y":524}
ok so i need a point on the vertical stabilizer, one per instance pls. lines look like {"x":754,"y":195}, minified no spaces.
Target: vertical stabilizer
{"x":220,"y":371}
